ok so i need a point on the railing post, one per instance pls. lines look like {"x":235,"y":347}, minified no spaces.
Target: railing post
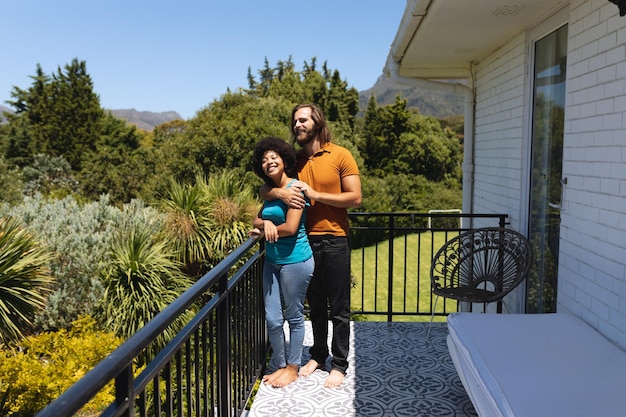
{"x":390,"y":271}
{"x":124,"y":392}
{"x":223,"y":351}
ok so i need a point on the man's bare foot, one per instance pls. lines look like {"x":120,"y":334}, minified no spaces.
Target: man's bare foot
{"x":282,"y":377}
{"x":309,"y":368}
{"x":335,"y":378}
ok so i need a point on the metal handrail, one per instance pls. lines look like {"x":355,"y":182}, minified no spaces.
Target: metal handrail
{"x":118,"y":365}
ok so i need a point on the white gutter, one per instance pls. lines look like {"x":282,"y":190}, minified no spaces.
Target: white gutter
{"x":391,"y":71}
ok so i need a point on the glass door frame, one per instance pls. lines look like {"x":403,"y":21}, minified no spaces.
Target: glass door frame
{"x":543,"y":29}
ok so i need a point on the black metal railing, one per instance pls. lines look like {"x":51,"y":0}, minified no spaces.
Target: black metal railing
{"x":212,"y":364}
{"x":392,"y":254}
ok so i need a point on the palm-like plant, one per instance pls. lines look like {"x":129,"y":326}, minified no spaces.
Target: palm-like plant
{"x":232,"y":204}
{"x":207,"y":220}
{"x":142,"y":279}
{"x":24,"y":279}
{"x":185,"y":228}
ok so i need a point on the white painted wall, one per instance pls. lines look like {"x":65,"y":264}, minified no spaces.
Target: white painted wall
{"x":592,"y":269}
{"x":499,"y":127}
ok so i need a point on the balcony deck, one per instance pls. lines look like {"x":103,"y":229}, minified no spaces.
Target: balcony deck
{"x":394,"y":371}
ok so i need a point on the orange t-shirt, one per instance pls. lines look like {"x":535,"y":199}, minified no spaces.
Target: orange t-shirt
{"x":323,"y":172}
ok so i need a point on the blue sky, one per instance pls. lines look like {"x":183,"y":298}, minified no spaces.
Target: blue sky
{"x":181,"y":55}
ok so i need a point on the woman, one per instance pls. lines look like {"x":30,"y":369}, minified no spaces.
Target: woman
{"x":289,"y":261}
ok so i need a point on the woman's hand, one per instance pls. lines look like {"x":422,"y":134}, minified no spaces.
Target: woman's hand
{"x":270,"y":230}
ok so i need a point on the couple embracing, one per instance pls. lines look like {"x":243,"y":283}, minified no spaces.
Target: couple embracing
{"x":305,"y":222}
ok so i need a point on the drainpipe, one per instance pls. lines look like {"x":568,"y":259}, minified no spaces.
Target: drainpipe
{"x":391,"y":71}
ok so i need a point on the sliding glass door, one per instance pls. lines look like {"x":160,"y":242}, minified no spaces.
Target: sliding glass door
{"x":546,"y":181}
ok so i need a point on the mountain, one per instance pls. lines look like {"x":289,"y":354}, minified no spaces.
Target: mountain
{"x":145,"y":120}
{"x":429,"y":102}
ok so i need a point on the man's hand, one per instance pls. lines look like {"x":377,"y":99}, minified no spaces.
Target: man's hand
{"x":292,"y":196}
{"x":308,"y":191}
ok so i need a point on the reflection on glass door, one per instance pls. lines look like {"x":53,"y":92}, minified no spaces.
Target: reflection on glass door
{"x":546,"y":170}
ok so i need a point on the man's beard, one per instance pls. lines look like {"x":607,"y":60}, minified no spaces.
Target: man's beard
{"x":308,"y":137}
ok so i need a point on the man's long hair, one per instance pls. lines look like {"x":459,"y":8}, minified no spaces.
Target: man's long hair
{"x":320,"y":129}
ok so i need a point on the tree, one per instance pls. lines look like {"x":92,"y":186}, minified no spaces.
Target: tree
{"x":382,"y":131}
{"x":398,"y":140}
{"x":24,"y":279}
{"x":116,"y":164}
{"x":75,"y":121}
{"x":58,"y":115}
{"x":25,"y":133}
{"x":223,"y":135}
{"x":50,"y":176}
{"x":11,"y":180}
{"x":339,"y":103}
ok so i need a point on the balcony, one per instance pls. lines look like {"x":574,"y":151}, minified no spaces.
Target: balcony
{"x":395,"y":371}
{"x":212,"y":366}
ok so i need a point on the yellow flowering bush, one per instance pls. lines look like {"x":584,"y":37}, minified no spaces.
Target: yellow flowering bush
{"x":42,"y":367}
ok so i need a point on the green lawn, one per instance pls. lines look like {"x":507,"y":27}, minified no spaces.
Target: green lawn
{"x":411,"y":277}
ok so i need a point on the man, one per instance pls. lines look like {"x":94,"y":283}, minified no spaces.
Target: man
{"x":329,"y":176}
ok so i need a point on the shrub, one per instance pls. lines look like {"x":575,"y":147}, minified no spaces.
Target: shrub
{"x":24,"y":279}
{"x":80,"y":237}
{"x":42,"y":367}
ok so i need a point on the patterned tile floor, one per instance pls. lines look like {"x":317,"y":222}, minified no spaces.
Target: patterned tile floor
{"x":394,"y":371}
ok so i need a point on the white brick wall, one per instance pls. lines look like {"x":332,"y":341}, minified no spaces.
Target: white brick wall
{"x":592,"y":268}
{"x":499,"y":129}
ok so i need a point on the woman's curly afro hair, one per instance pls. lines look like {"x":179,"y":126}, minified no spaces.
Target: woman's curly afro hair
{"x":282,"y":148}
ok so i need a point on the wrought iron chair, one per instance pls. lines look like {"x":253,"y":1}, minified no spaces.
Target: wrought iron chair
{"x":480,"y":266}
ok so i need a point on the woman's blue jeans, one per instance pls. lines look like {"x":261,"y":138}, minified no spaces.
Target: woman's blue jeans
{"x":284,"y":291}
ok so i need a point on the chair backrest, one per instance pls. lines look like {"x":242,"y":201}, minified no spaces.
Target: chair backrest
{"x":481,"y":265}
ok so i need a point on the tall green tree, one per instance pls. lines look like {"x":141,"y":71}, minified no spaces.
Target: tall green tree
{"x":115,"y":164}
{"x":223,"y":135}
{"x":59,"y":115}
{"x":383,"y":128}
{"x":398,"y":140}
{"x":25,"y":134}
{"x":75,"y":124}
{"x":327,"y":89}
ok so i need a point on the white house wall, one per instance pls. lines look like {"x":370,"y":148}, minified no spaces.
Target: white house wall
{"x":499,"y":127}
{"x":592,"y":262}
{"x":592,"y":266}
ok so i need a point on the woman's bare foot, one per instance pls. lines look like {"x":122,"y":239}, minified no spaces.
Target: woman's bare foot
{"x":335,"y":378}
{"x":309,"y":368}
{"x":282,"y":377}
{"x":271,"y":378}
